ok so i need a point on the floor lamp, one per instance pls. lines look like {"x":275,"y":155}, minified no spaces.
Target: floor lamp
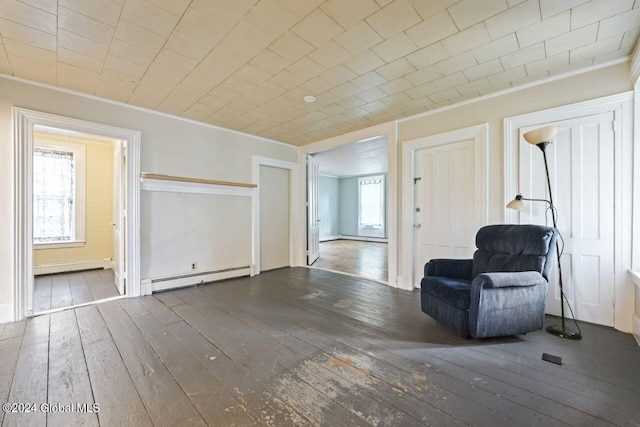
{"x":541,"y":138}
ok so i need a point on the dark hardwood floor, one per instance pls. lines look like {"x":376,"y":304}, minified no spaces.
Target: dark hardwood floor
{"x":363,"y":259}
{"x":302,"y":347}
{"x":66,"y":289}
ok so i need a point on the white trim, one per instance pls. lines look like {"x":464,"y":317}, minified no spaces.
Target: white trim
{"x":622,"y":106}
{"x":479,"y":133}
{"x":364,"y":239}
{"x":23,"y":133}
{"x":138,"y":108}
{"x":294,"y":194}
{"x":172,"y":282}
{"x":518,"y":88}
{"x":84,"y":304}
{"x":328,"y":238}
{"x":634,"y":72}
{"x":344,"y":273}
{"x":390,"y":129}
{"x":72,"y":266}
{"x":58,"y":245}
{"x":6,"y":313}
{"x":150,"y":184}
{"x":636,"y":328}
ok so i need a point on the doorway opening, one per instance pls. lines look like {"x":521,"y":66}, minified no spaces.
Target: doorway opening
{"x":348,"y":209}
{"x":79,"y":211}
{"x":52,"y":210}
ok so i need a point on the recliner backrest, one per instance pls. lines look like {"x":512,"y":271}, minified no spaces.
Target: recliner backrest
{"x":509,"y":248}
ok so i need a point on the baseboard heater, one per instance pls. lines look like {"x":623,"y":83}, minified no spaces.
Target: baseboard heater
{"x":180,"y":281}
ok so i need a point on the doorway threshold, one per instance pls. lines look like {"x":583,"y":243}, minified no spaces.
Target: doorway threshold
{"x":84,"y":304}
{"x":348,"y":274}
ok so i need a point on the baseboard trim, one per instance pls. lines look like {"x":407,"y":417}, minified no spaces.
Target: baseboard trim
{"x":327,"y":238}
{"x":72,"y":266}
{"x":365,"y":239}
{"x":6,"y":313}
{"x":636,"y":328}
{"x":180,"y":281}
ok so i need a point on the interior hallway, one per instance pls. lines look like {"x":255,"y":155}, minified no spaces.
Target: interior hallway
{"x":67,"y":289}
{"x":363,"y":259}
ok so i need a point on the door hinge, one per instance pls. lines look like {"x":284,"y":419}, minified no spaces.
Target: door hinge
{"x":416,"y":179}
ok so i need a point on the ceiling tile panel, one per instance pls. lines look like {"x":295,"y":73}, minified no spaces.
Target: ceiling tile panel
{"x":247,"y":64}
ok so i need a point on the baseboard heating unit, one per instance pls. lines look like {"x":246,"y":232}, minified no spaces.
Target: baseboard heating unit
{"x":180,"y":281}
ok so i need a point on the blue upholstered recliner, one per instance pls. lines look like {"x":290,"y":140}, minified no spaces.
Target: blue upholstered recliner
{"x":501,"y":291}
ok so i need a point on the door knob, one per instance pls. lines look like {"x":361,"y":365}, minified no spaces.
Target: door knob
{"x":416,"y":225}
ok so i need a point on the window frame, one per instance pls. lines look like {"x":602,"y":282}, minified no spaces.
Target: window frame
{"x":78,"y":237}
{"x":374,"y":231}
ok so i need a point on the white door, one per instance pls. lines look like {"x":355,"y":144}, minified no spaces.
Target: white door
{"x":447,"y":203}
{"x":581,"y":168}
{"x":274,"y":217}
{"x":313,"y":224}
{"x":119,"y":189}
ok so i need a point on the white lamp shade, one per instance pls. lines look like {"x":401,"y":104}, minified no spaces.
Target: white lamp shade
{"x":516,"y":204}
{"x":537,"y":136}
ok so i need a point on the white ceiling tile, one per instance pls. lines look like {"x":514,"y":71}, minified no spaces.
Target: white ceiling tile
{"x":84,"y":26}
{"x":466,"y":40}
{"x":364,"y":62}
{"x":428,"y":8}
{"x":396,"y":86}
{"x":619,"y":24}
{"x":286,"y":80}
{"x":105,"y":11}
{"x":358,"y":38}
{"x":395,"y":47}
{"x":131,"y":53}
{"x":29,"y":35}
{"x":520,"y":57}
{"x":174,"y":60}
{"x":546,"y":29}
{"x":423,"y":75}
{"x":597,"y":10}
{"x":123,"y":66}
{"x":368,"y":81}
{"x":349,"y":13}
{"x":372,"y":95}
{"x":535,"y":68}
{"x":272,"y":17}
{"x":37,"y":71}
{"x":630,"y":38}
{"x":508,"y":75}
{"x":449,"y":81}
{"x":75,"y":78}
{"x":82,"y":45}
{"x":270,"y":62}
{"x":317,"y":28}
{"x":29,"y":52}
{"x":330,"y":54}
{"x":141,"y":37}
{"x":396,"y":69}
{"x":473,"y":86}
{"x":613,"y":56}
{"x":444,"y":95}
{"x":346,"y":90}
{"x":150,"y":16}
{"x":513,"y":3}
{"x":469,"y":12}
{"x":175,"y":7}
{"x":394,"y":18}
{"x":427,"y":56}
{"x":79,"y":60}
{"x":188,"y":46}
{"x":338,"y":75}
{"x":207,"y":30}
{"x":27,"y":15}
{"x":572,"y":40}
{"x":168,"y":74}
{"x":306,"y":68}
{"x":457,"y":63}
{"x":522,"y":15}
{"x":291,"y":47}
{"x":484,"y":69}
{"x":496,"y":48}
{"x":596,"y":49}
{"x":300,"y":7}
{"x":50,"y":6}
{"x":550,"y":8}
{"x":432,"y":29}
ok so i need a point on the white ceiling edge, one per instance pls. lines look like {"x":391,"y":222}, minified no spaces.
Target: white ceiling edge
{"x":138,"y":108}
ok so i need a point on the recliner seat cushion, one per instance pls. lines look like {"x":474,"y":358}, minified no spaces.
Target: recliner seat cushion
{"x":455,"y":292}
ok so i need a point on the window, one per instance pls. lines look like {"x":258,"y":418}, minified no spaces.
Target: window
{"x":371,"y":205}
{"x":58,"y":194}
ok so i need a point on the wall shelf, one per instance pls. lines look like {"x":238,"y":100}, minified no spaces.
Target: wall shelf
{"x":178,"y":184}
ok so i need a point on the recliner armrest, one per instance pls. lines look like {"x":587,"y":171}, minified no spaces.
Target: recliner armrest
{"x":507,"y":280}
{"x":453,"y":268}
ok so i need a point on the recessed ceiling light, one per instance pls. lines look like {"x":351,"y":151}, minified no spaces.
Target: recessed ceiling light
{"x":309,"y":98}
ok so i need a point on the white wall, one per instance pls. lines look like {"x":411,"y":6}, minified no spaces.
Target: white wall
{"x":169,"y":146}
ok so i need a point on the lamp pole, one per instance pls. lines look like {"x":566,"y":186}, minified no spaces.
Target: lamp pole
{"x":562,"y":331}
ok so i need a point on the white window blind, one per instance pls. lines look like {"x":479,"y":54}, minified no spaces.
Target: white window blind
{"x":54,"y":195}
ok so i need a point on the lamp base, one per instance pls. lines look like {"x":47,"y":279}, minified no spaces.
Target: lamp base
{"x":561,"y":332}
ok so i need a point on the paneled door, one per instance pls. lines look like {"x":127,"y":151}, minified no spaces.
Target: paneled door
{"x":119,"y":215}
{"x":313,"y":222}
{"x":447,"y":214}
{"x":581,"y":167}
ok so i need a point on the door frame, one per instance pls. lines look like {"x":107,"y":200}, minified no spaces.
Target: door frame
{"x":294,"y":192}
{"x":390,"y":131}
{"x":479,"y":133}
{"x":24,"y":121}
{"x":622,"y":107}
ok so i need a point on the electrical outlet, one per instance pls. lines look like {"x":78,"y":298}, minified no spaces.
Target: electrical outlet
{"x":194,"y":265}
